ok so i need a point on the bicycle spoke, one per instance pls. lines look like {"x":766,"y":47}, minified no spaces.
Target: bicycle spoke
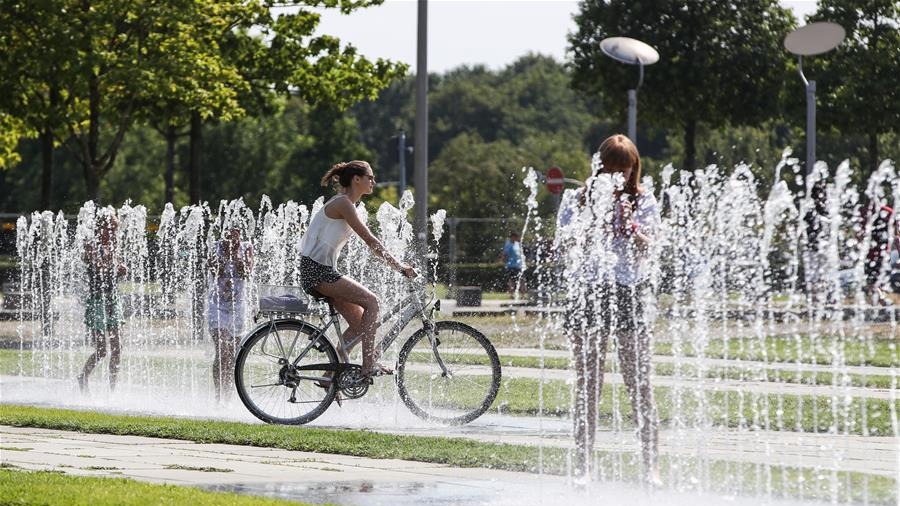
{"x":264,"y":379}
{"x":465,"y":391}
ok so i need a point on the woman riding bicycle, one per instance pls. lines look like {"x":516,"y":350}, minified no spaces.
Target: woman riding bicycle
{"x":320,"y":247}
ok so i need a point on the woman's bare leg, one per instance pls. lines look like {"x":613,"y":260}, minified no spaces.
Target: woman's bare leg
{"x":115,"y":357}
{"x":223,"y":363}
{"x":634,"y":358}
{"x":346,"y":290}
{"x":585,"y":405}
{"x":93,"y":359}
{"x":353,"y":313}
{"x":590,"y":354}
{"x":217,"y":367}
{"x":227,"y":351}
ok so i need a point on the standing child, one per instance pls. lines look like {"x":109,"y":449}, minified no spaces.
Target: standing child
{"x":102,"y":309}
{"x":230,"y":263}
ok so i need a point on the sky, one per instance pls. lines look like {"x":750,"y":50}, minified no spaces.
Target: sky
{"x":468,"y":32}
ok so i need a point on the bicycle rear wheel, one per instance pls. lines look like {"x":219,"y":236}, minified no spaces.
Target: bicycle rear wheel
{"x":470,"y":384}
{"x":269,"y":383}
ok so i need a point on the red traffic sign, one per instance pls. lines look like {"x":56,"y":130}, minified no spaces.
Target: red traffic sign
{"x":555,"y":180}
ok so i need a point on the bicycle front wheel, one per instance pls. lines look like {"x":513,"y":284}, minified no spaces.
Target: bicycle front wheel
{"x":275,"y":388}
{"x":452,"y":378}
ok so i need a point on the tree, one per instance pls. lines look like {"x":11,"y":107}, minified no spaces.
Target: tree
{"x":115,"y":63}
{"x":537,"y":98}
{"x":30,"y":94}
{"x":721,"y":61}
{"x":283,"y":155}
{"x":530,"y":98}
{"x":102,"y":59}
{"x":279,"y":56}
{"x":857,"y":83}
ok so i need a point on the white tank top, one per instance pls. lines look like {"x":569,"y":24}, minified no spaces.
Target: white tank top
{"x":325,"y":237}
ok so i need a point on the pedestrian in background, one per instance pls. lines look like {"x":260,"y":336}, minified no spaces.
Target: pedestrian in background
{"x":514,"y":261}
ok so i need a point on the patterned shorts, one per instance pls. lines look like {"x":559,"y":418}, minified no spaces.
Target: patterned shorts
{"x":313,"y":273}
{"x":102,"y":313}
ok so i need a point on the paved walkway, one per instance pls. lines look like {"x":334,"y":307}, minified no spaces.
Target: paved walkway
{"x":313,"y":477}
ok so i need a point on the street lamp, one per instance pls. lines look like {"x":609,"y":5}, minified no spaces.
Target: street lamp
{"x":809,"y":40}
{"x":632,"y":52}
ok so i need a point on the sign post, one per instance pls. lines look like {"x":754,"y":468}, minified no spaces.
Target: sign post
{"x":555,"y":180}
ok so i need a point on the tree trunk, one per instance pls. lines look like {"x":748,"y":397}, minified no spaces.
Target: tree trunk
{"x":196,"y":139}
{"x":873,"y":153}
{"x":171,"y":137}
{"x":46,"y":168}
{"x":690,"y":151}
{"x":92,"y":182}
{"x":47,"y":152}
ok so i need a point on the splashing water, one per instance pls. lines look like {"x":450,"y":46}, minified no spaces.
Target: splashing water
{"x":167,"y":289}
{"x":765,"y":337}
{"x":773,"y":372}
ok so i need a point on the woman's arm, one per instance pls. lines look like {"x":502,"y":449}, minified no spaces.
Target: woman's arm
{"x":88,"y":256}
{"x":346,"y":210}
{"x":245,"y":265}
{"x":641,"y":233}
{"x":214,"y":261}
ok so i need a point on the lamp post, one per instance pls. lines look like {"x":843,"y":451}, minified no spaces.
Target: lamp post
{"x":420,"y":178}
{"x":632,"y":52}
{"x":809,"y":40}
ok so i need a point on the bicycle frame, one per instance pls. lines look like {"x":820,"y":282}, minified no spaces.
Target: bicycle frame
{"x":411,"y":306}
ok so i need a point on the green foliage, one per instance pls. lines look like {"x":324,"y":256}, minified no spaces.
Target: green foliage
{"x":721,"y":62}
{"x":489,"y":276}
{"x":11,"y":130}
{"x":529,"y":105}
{"x":95,"y":68}
{"x":857,"y":82}
{"x":283,"y":156}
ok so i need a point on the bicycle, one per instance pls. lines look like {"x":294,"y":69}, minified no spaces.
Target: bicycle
{"x":446,"y":372}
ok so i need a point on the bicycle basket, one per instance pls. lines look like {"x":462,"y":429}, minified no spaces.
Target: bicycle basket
{"x":275,"y":299}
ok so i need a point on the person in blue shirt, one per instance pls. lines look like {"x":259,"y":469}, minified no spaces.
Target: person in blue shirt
{"x":515,"y":263}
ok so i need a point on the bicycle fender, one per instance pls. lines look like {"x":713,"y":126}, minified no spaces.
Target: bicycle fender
{"x":265,"y":325}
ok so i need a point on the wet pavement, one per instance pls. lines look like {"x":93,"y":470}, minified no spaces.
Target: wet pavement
{"x":318,"y":478}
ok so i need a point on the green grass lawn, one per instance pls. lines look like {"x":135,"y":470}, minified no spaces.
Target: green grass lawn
{"x":10,"y":361}
{"x":691,"y":371}
{"x":722,"y":476}
{"x":718,"y":408}
{"x":55,"y":488}
{"x":879,"y":352}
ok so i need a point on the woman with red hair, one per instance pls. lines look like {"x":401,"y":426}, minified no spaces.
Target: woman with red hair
{"x":611,"y":293}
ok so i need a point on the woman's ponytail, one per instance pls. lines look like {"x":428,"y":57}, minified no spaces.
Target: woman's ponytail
{"x":341,"y":174}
